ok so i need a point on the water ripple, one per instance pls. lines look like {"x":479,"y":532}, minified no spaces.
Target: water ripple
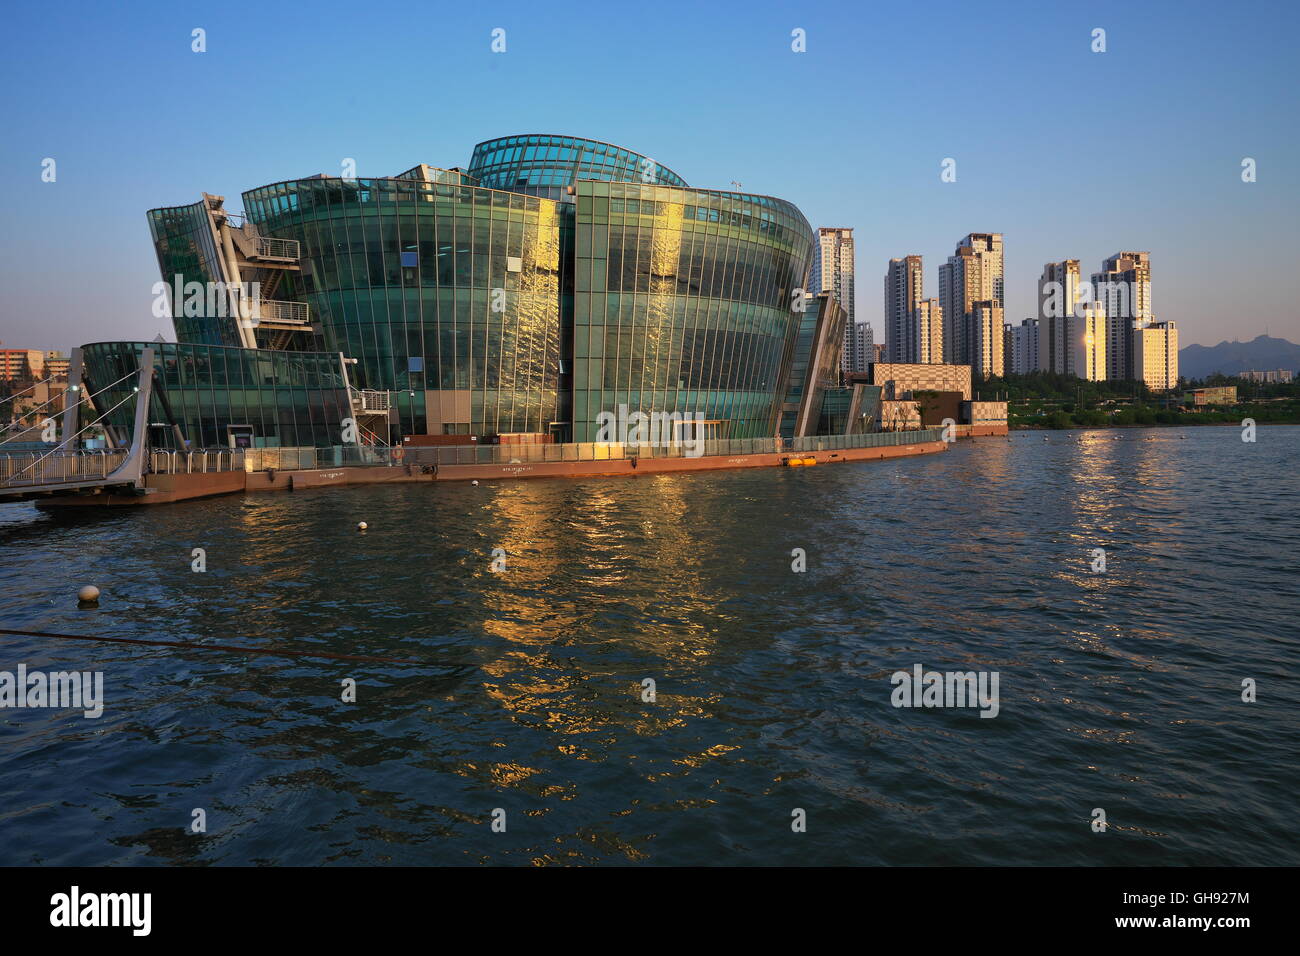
{"x":1119,"y":690}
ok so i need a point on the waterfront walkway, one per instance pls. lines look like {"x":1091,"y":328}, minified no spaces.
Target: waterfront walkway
{"x":178,"y":476}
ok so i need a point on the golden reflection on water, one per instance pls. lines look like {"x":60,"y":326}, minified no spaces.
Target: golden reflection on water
{"x":1115,"y":495}
{"x":546,"y":682}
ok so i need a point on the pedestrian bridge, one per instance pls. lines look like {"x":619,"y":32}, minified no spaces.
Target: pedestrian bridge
{"x":33,"y":474}
{"x":65,"y":466}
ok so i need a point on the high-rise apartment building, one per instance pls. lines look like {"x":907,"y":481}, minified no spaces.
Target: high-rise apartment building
{"x":832,"y":271}
{"x":928,"y":331}
{"x":1123,"y":289}
{"x":863,"y":339}
{"x":1059,"y":293}
{"x":1022,"y":357}
{"x":1071,"y":323}
{"x":973,"y":273}
{"x":1086,"y":349}
{"x":1155,"y":355}
{"x":986,"y":339}
{"x":903,"y":291}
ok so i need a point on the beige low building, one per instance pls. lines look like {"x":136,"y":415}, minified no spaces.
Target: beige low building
{"x":1213,"y":395}
{"x":899,"y":415}
{"x":898,"y":381}
{"x":984,"y":413}
{"x":56,"y":365}
{"x":30,"y":407}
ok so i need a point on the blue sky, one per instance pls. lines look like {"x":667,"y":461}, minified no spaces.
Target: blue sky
{"x":1068,"y":153}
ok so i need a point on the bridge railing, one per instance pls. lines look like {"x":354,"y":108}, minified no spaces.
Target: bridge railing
{"x":52,"y":468}
{"x":46,"y":468}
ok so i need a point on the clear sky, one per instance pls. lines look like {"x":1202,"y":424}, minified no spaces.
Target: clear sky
{"x":1068,"y":153}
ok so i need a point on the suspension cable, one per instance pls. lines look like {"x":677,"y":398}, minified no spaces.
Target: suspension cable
{"x":81,"y":396}
{"x":79,"y":431}
{"x":31,"y":411}
{"x":10,"y":398}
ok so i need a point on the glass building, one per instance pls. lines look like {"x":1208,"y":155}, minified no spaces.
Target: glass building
{"x":545,"y":165}
{"x":218,"y":396}
{"x":553,"y":279}
{"x":448,"y":296}
{"x":187,"y":246}
{"x":813,"y":371}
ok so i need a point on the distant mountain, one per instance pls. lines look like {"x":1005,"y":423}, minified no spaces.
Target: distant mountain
{"x":1229,"y":358}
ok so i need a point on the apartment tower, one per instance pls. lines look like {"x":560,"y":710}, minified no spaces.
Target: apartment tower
{"x":1155,"y":355}
{"x":1059,"y":294}
{"x":973,"y":273}
{"x":832,"y":271}
{"x":903,"y":290}
{"x":1123,"y":289}
{"x":928,"y":329}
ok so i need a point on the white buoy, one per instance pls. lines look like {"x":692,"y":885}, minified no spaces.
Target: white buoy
{"x":88,"y":593}
{"x":474,"y":482}
{"x":362,"y":526}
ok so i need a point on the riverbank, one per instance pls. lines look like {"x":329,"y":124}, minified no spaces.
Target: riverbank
{"x":1020,"y":427}
{"x":1152,"y":416}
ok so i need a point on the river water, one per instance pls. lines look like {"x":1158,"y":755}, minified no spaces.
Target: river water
{"x":525,"y":700}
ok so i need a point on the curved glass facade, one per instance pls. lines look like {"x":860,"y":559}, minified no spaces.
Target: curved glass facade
{"x":546,"y":164}
{"x":448,"y":296}
{"x":554,"y":279}
{"x":683,"y":303}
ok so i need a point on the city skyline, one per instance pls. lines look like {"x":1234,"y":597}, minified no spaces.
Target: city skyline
{"x":1026,"y":172}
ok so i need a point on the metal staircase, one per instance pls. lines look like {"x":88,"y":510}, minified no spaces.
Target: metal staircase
{"x":250,"y":257}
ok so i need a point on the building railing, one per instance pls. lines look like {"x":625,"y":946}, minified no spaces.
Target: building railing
{"x":39,"y":468}
{"x":352,"y":456}
{"x":277,"y":310}
{"x":258,"y":245}
{"x":284,"y":459}
{"x":269,"y":248}
{"x":202,"y":460}
{"x":869,"y":440}
{"x":369,"y":400}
